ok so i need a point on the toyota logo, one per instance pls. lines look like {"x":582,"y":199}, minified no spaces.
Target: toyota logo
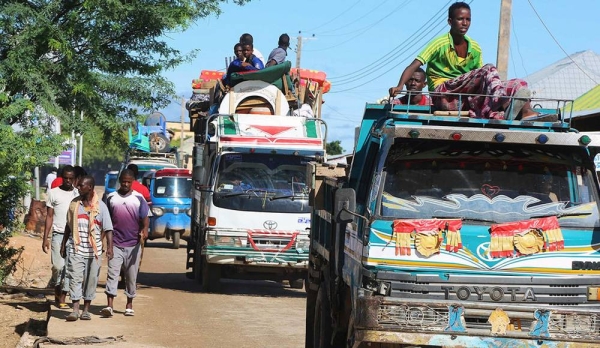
{"x":270,"y":224}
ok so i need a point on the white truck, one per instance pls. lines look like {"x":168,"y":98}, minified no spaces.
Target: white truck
{"x":250,"y":210}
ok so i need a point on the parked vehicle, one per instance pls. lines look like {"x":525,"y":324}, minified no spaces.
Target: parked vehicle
{"x":456,"y":232}
{"x":170,"y":193}
{"x":110,"y":183}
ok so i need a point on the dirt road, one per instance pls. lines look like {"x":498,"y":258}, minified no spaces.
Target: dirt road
{"x":170,"y":310}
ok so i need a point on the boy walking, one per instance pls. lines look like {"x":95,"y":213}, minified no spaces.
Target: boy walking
{"x":88,"y":221}
{"x":129,"y":212}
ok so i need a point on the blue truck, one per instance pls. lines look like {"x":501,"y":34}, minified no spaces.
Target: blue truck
{"x":449,"y":231}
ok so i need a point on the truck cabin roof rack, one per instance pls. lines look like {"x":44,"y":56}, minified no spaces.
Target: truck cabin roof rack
{"x":554,"y":114}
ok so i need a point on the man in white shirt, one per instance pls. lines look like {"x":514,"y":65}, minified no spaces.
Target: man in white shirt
{"x":50,"y":178}
{"x":57,"y":205}
{"x":249,"y":40}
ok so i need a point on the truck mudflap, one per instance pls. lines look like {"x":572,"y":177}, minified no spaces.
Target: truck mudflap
{"x":471,"y":324}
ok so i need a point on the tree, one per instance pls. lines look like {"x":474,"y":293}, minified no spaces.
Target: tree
{"x":102,"y":57}
{"x":334,"y":148}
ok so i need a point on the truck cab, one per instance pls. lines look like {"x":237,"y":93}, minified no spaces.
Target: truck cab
{"x":457,"y":232}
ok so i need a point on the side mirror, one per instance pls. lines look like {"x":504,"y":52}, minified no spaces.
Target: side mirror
{"x":345,"y":205}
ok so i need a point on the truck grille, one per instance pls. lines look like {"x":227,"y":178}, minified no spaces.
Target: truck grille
{"x":566,"y":291}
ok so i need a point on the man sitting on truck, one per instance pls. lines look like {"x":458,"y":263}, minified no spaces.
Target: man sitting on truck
{"x":247,"y":62}
{"x":278,"y":54}
{"x":414,"y":86}
{"x":455,"y":65}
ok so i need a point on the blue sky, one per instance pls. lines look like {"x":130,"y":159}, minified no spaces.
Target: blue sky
{"x":364,"y":46}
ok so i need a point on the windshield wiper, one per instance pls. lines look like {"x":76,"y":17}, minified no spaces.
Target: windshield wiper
{"x":559,"y":215}
{"x":464,"y":219}
{"x":234,"y":194}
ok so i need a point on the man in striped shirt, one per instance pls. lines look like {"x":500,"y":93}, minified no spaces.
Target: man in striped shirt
{"x":88,"y":221}
{"x":455,"y":65}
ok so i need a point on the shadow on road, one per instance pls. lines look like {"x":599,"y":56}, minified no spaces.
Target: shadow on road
{"x":179,"y":282}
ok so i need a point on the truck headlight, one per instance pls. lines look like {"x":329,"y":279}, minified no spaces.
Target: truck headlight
{"x":157,"y":211}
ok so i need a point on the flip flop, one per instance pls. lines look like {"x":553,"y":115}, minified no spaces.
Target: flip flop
{"x":129,"y":312}
{"x":73,"y":316}
{"x":85,"y":316}
{"x":63,"y":306}
{"x":106,"y":312}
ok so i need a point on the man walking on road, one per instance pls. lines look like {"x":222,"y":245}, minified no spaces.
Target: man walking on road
{"x":57,"y":205}
{"x":88,"y":221}
{"x":129,"y":212}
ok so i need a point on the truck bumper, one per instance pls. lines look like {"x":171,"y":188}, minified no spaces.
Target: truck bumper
{"x":248,"y":257}
{"x":178,"y":222}
{"x":473,"y":324}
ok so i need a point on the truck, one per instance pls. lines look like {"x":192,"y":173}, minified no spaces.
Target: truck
{"x":450,"y":231}
{"x":250,"y":212}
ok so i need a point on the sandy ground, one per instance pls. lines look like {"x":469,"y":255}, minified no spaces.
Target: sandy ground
{"x":170,"y":310}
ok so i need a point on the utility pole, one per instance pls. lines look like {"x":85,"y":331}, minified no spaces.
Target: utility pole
{"x":504,"y":39}
{"x":299,"y":47}
{"x":299,"y":52}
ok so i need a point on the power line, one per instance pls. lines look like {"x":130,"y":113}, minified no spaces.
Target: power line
{"x":336,"y":17}
{"x":384,"y":63}
{"x":362,"y":17}
{"x":363,"y":30}
{"x":370,"y":26}
{"x":385,"y":72}
{"x":557,"y":43}
{"x":518,"y":48}
{"x":378,"y":62}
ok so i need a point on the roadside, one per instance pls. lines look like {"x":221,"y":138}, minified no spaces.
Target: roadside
{"x":23,"y":303}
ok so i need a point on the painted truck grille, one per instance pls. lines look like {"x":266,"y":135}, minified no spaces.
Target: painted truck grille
{"x":570,"y":291}
{"x":563,"y":324}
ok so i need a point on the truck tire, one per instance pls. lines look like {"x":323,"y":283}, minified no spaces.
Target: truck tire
{"x":211,"y":277}
{"x":322,"y":324}
{"x":159,"y":143}
{"x":311,"y":302}
{"x":176,"y":236}
{"x":297,"y":283}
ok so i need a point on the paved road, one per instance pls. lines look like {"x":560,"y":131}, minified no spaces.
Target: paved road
{"x":172,"y":312}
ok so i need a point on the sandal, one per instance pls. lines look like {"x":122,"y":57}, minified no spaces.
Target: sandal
{"x":63,"y":306}
{"x":106,"y":312}
{"x":73,"y":316}
{"x":129,"y":312}
{"x":85,"y":316}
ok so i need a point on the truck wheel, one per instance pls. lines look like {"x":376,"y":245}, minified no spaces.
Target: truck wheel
{"x":159,"y":143}
{"x":211,"y":277}
{"x":311,"y":302}
{"x":322,"y":324}
{"x":297,"y":283}
{"x":176,"y":236}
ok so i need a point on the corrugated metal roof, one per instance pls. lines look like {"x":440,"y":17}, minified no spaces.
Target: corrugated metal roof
{"x":588,"y":101}
{"x":569,"y":78}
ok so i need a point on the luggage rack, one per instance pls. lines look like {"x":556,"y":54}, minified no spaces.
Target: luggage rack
{"x":558,"y":117}
{"x":134,"y":154}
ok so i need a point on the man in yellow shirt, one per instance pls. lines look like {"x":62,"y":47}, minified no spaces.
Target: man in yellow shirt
{"x":455,"y":65}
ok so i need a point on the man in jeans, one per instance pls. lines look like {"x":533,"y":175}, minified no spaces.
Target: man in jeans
{"x":129,"y":212}
{"x":88,"y":221}
{"x":57,"y":205}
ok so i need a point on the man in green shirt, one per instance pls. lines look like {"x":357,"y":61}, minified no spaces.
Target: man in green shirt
{"x":455,"y":65}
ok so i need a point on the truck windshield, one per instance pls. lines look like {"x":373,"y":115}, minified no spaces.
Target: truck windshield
{"x":172,"y":187}
{"x":262,"y":182}
{"x":488,"y":182}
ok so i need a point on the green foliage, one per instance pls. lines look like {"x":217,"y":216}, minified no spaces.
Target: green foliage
{"x":334,"y":148}
{"x":100,"y":57}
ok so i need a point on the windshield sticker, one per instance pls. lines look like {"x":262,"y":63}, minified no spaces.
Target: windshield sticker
{"x":233,"y":157}
{"x":161,"y":190}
